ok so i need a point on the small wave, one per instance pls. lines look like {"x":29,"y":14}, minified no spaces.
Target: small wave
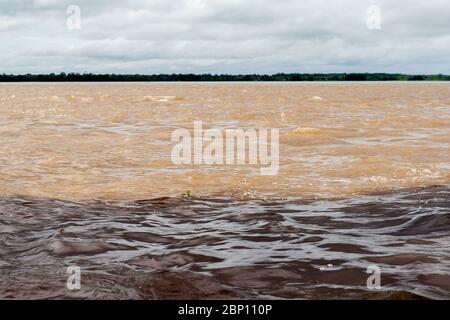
{"x":160,"y":98}
{"x":307,"y":130}
{"x":72,"y":98}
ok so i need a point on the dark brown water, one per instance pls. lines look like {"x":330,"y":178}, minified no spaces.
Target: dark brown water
{"x":223,"y":248}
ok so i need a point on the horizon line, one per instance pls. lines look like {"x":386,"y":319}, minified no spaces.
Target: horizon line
{"x":227,"y":77}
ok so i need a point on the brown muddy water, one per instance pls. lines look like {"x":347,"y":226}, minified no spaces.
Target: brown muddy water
{"x":87,"y":180}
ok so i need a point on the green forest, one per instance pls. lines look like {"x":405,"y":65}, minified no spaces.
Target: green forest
{"x":68,"y":77}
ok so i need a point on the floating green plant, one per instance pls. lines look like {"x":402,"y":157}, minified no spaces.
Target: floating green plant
{"x":187,"y":193}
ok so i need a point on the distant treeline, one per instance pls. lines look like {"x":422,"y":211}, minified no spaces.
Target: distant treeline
{"x":66,"y":77}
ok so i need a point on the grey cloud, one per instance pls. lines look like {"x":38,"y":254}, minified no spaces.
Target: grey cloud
{"x":256,"y":36}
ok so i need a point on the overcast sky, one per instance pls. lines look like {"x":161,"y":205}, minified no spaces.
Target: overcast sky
{"x":225,"y":36}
